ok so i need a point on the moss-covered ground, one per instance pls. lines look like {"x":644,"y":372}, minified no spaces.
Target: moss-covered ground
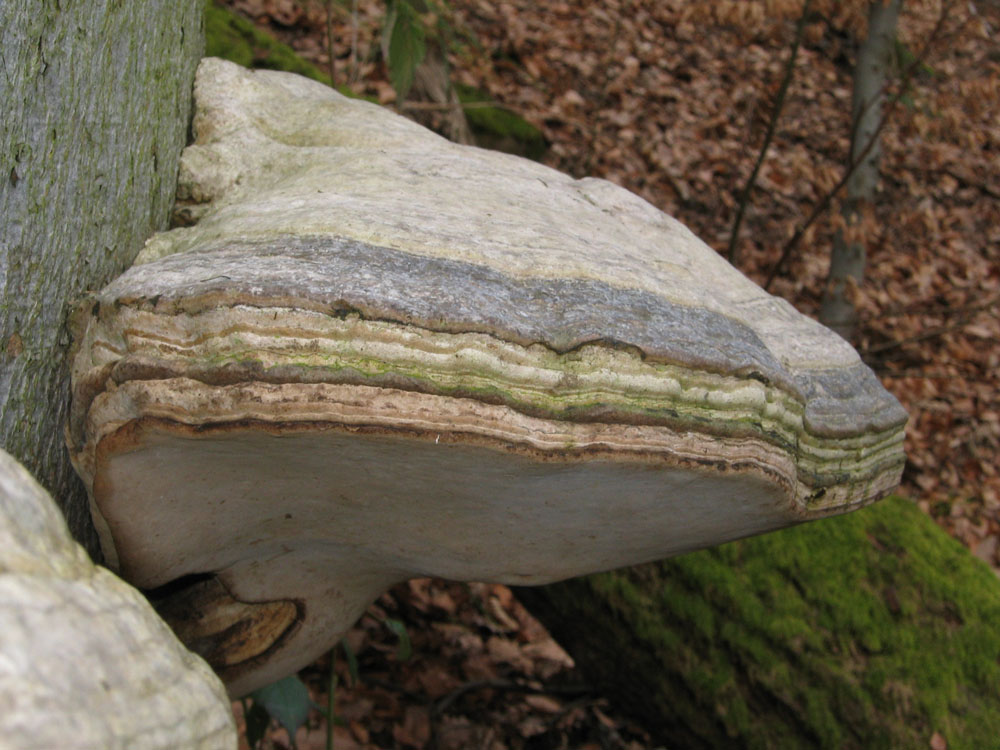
{"x":498,"y":128}
{"x":870,"y":630}
{"x":236,"y":39}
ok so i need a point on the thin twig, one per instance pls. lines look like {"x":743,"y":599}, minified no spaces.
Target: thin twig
{"x":886,"y":373}
{"x":329,"y":42}
{"x":856,"y":161}
{"x":772,"y":127}
{"x":393,"y":687}
{"x":584,"y":702}
{"x":921,"y":307}
{"x":353,"y":77}
{"x":933,"y":333}
{"x":442,"y":704}
{"x":331,"y":698}
{"x":436,"y":107}
{"x":961,"y":179}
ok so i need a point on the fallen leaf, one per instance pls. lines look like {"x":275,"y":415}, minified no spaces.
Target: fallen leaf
{"x":543,"y":703}
{"x":415,"y":730}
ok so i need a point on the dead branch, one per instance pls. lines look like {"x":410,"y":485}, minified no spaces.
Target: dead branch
{"x":931,"y":333}
{"x":772,"y":127}
{"x":855,"y":162}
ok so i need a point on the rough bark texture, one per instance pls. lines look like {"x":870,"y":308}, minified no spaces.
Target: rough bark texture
{"x":871,"y":630}
{"x":84,"y":660}
{"x":847,"y":261}
{"x":96,"y":100}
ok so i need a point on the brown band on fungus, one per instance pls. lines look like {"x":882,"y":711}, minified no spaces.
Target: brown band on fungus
{"x":223,"y":630}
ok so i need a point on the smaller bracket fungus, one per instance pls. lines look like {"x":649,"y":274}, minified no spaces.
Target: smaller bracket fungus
{"x":85,"y":662}
{"x":379,"y":355}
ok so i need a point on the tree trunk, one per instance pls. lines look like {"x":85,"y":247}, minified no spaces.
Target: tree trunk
{"x":96,"y":100}
{"x":847,"y":260}
{"x":871,"y":630}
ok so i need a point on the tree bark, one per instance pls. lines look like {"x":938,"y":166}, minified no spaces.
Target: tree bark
{"x":96,"y":100}
{"x":870,"y":630}
{"x":847,"y":261}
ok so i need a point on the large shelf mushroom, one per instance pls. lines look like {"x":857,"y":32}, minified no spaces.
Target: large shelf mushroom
{"x":378,"y":355}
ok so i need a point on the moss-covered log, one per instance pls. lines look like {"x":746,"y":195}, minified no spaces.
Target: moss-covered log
{"x":872,"y":630}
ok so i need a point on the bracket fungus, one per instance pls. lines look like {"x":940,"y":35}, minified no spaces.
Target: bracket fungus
{"x":85,"y":662}
{"x":375,"y":355}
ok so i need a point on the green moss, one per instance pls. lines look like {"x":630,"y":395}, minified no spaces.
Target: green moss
{"x":870,"y":630}
{"x":498,"y":128}
{"x":234,"y":38}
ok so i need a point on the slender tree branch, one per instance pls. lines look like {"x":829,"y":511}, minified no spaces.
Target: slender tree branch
{"x":962,"y":180}
{"x":435,"y":106}
{"x":329,"y":42}
{"x":928,"y":334}
{"x":331,"y":698}
{"x":354,"y":42}
{"x":772,"y":127}
{"x":921,"y":307}
{"x":442,"y":704}
{"x":856,"y":161}
{"x":884,"y":372}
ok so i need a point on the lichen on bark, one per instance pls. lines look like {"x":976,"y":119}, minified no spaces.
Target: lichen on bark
{"x":96,"y":108}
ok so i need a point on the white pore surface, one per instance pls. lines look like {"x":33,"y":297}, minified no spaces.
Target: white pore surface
{"x":331,"y":518}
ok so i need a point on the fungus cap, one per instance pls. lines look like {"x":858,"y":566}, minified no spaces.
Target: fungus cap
{"x":379,"y":355}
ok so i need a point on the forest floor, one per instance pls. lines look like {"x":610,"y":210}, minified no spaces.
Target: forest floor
{"x":671,"y":99}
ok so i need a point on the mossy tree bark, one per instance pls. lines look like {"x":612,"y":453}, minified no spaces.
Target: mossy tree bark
{"x":96,"y":99}
{"x":871,"y":630}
